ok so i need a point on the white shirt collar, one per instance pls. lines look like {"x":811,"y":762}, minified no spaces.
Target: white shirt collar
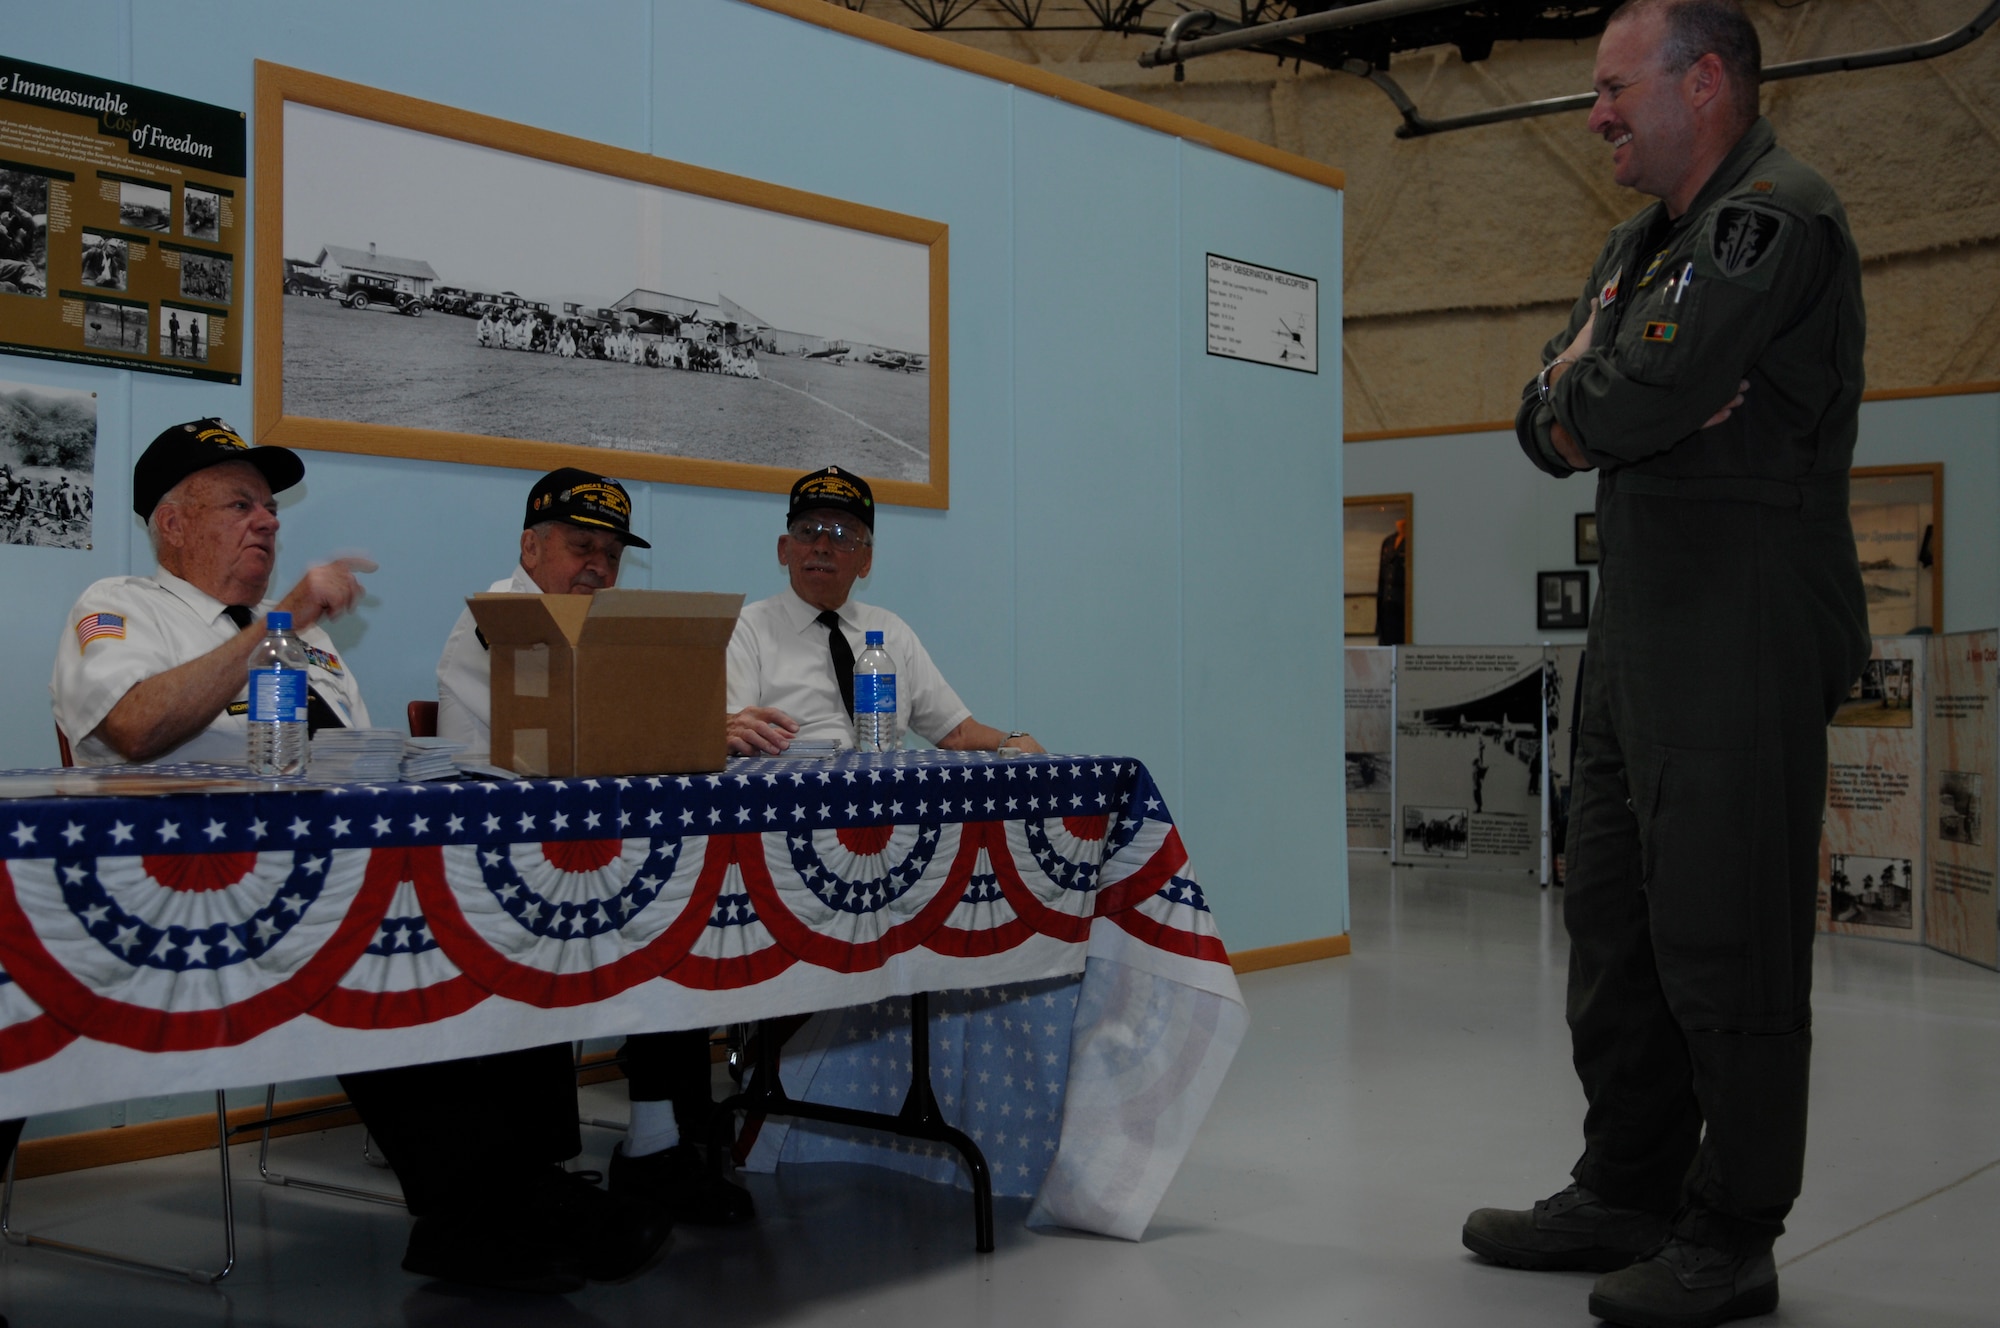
{"x":802,"y":615}
{"x":206,"y":605}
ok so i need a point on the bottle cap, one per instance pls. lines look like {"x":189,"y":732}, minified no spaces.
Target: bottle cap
{"x":874,"y":638}
{"x":278,"y":622}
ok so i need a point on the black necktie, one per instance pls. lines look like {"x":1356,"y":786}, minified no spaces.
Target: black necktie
{"x":319,"y":715}
{"x":843,"y":658}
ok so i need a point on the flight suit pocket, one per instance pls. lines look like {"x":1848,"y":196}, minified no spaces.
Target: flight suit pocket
{"x":1652,"y":338}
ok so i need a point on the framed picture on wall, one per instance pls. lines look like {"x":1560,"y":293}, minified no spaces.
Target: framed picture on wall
{"x":1378,"y":562}
{"x":439,"y":284}
{"x":1586,"y":537}
{"x":1562,"y":600}
{"x":1898,"y":517}
{"x":1359,"y":615}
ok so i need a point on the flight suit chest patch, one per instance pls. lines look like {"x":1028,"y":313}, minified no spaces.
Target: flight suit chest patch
{"x":1661,"y":332}
{"x":1742,"y":244}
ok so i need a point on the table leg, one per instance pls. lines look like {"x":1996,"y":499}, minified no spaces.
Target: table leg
{"x":919,"y":1118}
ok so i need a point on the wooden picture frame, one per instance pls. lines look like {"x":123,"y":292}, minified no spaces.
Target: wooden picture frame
{"x":1881,"y":548}
{"x":1562,"y":600}
{"x":1366,"y":519}
{"x":356,"y":378}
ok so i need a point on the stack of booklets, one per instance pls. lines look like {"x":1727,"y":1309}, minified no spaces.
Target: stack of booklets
{"x":356,"y":756}
{"x":430,"y":758}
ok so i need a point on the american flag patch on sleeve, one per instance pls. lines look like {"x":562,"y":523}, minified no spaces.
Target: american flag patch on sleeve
{"x":96,"y":625}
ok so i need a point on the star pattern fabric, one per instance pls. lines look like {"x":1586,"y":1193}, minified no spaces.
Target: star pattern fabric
{"x":244,"y":937}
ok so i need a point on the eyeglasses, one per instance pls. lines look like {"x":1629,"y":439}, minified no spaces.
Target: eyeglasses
{"x":847,"y":538}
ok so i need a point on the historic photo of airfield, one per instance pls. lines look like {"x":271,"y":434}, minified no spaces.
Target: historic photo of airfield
{"x":475,"y":291}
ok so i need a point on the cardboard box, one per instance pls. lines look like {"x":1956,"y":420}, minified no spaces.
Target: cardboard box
{"x":623,"y":682}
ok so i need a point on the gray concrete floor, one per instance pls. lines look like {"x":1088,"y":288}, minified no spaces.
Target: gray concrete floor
{"x":1378,"y":1098}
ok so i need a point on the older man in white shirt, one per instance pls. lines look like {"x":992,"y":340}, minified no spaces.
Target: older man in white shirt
{"x":573,"y":538}
{"x":155,"y":668}
{"x":791,"y":659}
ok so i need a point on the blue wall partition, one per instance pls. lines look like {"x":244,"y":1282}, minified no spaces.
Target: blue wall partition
{"x":1142,"y":552}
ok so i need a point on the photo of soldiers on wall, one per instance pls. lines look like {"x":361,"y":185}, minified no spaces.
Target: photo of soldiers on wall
{"x":24,"y":233}
{"x":1434,"y":832}
{"x":206,"y":277}
{"x":591,"y":309}
{"x":184,"y":334}
{"x":48,"y":455}
{"x":201,"y":213}
{"x":105,"y":258}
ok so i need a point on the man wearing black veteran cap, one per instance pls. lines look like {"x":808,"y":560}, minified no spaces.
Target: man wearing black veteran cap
{"x":791,"y":659}
{"x":574,"y":535}
{"x":154,"y":668}
{"x":578,"y":525}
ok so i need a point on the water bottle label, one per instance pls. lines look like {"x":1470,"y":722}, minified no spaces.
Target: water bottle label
{"x":875,"y":694}
{"x":277,"y":695}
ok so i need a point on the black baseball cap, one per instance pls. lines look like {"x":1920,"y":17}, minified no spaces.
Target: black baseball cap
{"x":182,"y":449}
{"x":841,"y":490}
{"x":579,"y":498}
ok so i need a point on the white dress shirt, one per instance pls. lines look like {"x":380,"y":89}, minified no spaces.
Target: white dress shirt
{"x":144,"y":625}
{"x":465,"y":677}
{"x":778,"y":657}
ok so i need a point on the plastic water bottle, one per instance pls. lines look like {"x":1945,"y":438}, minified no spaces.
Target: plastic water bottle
{"x":875,"y":728}
{"x":278,"y":700}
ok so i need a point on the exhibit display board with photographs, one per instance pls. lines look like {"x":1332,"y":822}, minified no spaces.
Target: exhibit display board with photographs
{"x":120,"y":230}
{"x":48,"y":458}
{"x":1871,"y":864}
{"x":1470,"y":724}
{"x":1964,"y":773}
{"x":1371,"y":738}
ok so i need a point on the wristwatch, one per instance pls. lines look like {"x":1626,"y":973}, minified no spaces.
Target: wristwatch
{"x":1542,"y":378}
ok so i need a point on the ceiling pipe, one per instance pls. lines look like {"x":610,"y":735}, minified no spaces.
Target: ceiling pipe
{"x":1415,"y":124}
{"x":1172,"y":50}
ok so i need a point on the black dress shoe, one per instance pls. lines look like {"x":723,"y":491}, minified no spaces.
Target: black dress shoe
{"x":680,"y":1180}
{"x":478,"y":1251}
{"x":613,"y":1235}
{"x":1684,"y":1285}
{"x":1573,"y":1230}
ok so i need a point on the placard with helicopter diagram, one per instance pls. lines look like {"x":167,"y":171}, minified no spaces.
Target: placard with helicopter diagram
{"x":1263,"y":315}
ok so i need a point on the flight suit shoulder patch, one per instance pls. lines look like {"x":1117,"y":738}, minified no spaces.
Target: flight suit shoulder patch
{"x":1742,"y":242}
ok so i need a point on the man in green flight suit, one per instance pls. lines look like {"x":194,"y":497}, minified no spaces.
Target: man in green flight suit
{"x":1711,"y":375}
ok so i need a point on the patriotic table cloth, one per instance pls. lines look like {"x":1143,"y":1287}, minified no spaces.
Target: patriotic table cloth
{"x":154,"y":945}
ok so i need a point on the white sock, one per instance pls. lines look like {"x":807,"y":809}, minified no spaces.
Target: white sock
{"x":653,"y":1129}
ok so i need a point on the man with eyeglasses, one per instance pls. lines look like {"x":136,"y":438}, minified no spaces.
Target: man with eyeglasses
{"x":791,"y":660}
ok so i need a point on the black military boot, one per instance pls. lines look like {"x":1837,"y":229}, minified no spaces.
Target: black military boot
{"x":1685,"y":1285}
{"x":1572,"y":1231}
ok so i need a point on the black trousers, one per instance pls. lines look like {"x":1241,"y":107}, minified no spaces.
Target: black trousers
{"x":1726,"y":635}
{"x":672,"y":1067}
{"x":471,"y":1135}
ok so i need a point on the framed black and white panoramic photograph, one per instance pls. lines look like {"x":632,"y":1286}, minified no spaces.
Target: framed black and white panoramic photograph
{"x":434,"y":283}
